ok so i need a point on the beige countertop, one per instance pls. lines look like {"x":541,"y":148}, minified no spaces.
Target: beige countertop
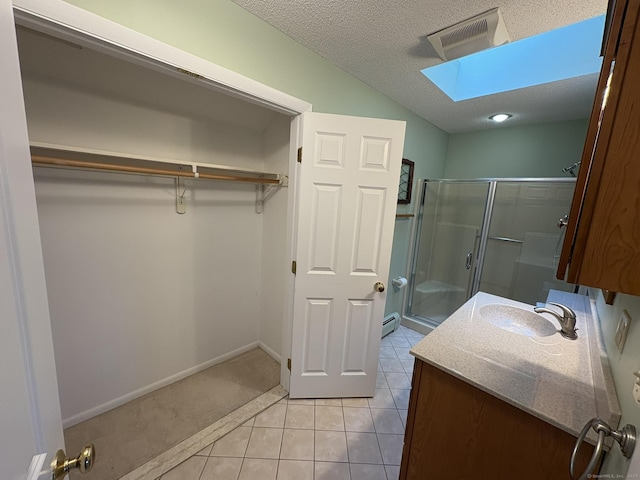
{"x":563,"y":382}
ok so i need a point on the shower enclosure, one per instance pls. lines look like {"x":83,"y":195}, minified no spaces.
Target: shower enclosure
{"x":498,"y":236}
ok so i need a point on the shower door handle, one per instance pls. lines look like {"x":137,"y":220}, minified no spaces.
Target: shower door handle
{"x":469,"y":258}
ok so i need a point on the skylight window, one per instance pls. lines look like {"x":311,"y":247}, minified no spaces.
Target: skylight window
{"x":566,"y":52}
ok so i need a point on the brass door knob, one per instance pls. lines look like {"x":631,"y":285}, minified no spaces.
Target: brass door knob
{"x":378,"y":287}
{"x":83,"y":462}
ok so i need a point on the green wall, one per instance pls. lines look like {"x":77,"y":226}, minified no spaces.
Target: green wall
{"x":541,"y":150}
{"x":225,"y":34}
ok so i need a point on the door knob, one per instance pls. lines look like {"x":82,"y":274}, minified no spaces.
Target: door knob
{"x":83,"y":462}
{"x":378,"y":287}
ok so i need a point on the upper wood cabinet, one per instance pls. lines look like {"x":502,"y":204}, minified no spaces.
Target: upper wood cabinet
{"x":602,"y":245}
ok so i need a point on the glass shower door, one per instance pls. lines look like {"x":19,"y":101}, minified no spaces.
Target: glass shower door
{"x":523,"y":243}
{"x":446,"y":250}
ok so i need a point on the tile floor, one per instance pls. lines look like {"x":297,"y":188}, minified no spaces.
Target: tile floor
{"x":322,"y":439}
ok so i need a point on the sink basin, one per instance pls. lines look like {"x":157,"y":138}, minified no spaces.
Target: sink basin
{"x":516,"y":320}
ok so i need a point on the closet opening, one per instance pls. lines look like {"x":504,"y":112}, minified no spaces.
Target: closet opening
{"x":175,"y":318}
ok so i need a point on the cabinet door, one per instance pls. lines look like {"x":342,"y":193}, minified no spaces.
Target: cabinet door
{"x":457,"y":431}
{"x":602,"y":247}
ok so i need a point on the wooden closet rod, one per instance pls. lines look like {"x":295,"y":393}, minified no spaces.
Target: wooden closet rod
{"x":62,"y":162}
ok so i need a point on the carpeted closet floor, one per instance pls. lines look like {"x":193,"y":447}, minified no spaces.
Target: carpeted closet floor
{"x":130,"y":435}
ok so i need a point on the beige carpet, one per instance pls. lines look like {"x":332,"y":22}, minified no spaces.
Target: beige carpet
{"x":134,"y":433}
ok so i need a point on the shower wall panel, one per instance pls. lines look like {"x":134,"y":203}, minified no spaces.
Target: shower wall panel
{"x":524,"y":239}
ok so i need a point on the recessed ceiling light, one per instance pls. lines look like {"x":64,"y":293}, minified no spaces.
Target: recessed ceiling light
{"x":500,"y":117}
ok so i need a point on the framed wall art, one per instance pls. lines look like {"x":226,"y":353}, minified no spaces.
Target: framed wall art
{"x":406,"y":181}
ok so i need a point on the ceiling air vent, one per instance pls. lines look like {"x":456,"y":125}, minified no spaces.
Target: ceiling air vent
{"x":470,"y":36}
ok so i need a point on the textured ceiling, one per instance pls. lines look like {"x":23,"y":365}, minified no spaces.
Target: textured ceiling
{"x":383,"y":43}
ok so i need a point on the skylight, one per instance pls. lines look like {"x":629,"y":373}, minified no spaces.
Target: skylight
{"x":566,"y":52}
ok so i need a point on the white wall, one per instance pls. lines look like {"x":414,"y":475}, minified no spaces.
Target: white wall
{"x":138,"y":293}
{"x":275,"y":258}
{"x":622,"y":367}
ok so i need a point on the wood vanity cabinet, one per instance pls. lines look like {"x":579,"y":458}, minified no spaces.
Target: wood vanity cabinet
{"x":457,"y":431}
{"x":602,"y":243}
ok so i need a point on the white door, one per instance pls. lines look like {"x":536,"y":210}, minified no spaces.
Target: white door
{"x":30,"y":422}
{"x":348,"y":188}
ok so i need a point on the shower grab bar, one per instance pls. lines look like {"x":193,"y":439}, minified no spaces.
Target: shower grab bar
{"x":506,"y":239}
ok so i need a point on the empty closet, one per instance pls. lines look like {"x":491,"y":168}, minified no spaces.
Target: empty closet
{"x":140,"y":294}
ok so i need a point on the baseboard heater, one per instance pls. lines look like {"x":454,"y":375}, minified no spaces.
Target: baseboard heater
{"x":391,"y":323}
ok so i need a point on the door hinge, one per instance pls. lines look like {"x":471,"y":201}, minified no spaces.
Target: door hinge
{"x":294,"y":266}
{"x":300,"y":155}
{"x":289,"y":364}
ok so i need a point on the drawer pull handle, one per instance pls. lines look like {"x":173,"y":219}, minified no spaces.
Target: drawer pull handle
{"x":626,"y":438}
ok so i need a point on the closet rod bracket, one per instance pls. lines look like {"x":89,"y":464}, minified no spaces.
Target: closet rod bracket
{"x":265,"y":191}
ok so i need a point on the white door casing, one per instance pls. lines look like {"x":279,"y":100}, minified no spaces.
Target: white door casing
{"x":348,"y":187}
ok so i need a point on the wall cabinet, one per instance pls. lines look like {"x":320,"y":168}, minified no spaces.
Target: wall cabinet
{"x":602,"y":245}
{"x":454,"y":430}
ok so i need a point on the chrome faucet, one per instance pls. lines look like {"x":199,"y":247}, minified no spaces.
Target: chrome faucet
{"x":567,"y":319}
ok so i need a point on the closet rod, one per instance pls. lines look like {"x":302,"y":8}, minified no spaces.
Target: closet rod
{"x":61,"y":162}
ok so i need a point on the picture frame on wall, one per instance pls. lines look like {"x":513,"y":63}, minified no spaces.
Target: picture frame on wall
{"x":406,"y":181}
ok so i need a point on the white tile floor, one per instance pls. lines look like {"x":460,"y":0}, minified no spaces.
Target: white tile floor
{"x":322,"y":439}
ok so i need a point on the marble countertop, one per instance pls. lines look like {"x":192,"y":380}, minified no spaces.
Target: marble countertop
{"x":563,"y":382}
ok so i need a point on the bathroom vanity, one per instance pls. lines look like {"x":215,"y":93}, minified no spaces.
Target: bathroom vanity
{"x":498,"y":393}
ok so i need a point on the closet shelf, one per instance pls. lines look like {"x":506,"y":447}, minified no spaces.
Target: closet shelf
{"x":47,"y":156}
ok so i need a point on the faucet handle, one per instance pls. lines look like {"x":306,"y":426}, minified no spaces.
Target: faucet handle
{"x":566,"y":311}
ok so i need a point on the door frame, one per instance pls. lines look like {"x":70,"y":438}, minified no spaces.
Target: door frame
{"x":68,"y":22}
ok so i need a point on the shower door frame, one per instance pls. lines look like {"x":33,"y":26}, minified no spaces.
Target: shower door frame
{"x":424,"y":324}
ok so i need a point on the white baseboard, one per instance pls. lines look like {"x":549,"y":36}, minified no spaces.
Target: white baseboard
{"x":116,"y":402}
{"x":270,"y":352}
